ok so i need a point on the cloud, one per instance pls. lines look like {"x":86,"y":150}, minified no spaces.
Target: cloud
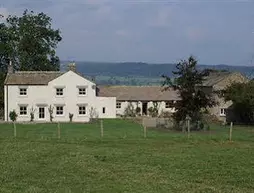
{"x":4,"y":13}
{"x":147,"y":30}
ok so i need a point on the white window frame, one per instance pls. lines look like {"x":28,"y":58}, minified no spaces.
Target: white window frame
{"x":24,"y":111}
{"x":22,"y":91}
{"x":82,"y":110}
{"x":59,"y":92}
{"x":118,"y":105}
{"x":223,"y":112}
{"x":60,"y":110}
{"x":82,"y":91}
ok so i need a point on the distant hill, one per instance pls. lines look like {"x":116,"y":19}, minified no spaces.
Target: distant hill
{"x":138,"y":73}
{"x":127,"y":69}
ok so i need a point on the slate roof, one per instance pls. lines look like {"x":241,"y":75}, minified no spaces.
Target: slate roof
{"x":138,"y":93}
{"x":31,"y":77}
{"x":215,"y":78}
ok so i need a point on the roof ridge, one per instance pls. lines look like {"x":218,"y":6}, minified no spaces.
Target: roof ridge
{"x":33,"y":72}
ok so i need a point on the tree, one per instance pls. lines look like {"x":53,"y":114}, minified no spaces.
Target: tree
{"x":33,"y":42}
{"x":242,"y":96}
{"x":29,"y":41}
{"x":187,"y":82}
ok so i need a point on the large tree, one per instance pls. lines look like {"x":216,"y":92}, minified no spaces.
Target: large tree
{"x":187,"y":82}
{"x":242,"y":96}
{"x":29,"y":41}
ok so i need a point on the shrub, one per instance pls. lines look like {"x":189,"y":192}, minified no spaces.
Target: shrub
{"x":71,"y":116}
{"x":32,"y":114}
{"x":129,"y":111}
{"x":51,"y":110}
{"x":138,"y":110}
{"x":13,"y":115}
{"x":93,"y":114}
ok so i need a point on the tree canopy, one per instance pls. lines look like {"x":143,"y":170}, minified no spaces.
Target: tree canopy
{"x":186,"y":81}
{"x":29,"y":41}
{"x":242,"y":96}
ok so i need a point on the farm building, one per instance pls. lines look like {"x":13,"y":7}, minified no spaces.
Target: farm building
{"x":61,"y":94}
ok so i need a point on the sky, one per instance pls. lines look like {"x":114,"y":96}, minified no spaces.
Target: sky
{"x":153,"y":31}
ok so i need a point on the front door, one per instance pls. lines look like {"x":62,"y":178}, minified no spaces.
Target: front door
{"x":41,"y":112}
{"x":144,"y":108}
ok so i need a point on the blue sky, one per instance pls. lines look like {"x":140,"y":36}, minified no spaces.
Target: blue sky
{"x":215,"y":31}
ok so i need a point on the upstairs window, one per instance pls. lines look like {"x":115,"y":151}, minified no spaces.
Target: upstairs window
{"x":59,"y":91}
{"x":169,"y":104}
{"x":118,"y":105}
{"x":23,"y":91}
{"x":82,"y":91}
{"x":23,"y":110}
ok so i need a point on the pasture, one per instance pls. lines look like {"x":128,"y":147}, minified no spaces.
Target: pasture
{"x":123,"y":160}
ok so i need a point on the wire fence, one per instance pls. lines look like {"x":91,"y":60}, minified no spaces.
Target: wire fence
{"x":119,"y":129}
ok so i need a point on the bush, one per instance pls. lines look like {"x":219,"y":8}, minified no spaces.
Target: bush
{"x":129,"y":111}
{"x":138,"y":110}
{"x":13,"y":115}
{"x":71,"y":116}
{"x":32,"y":114}
{"x":51,"y":110}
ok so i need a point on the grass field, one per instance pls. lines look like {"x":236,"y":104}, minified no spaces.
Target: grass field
{"x":123,"y":161}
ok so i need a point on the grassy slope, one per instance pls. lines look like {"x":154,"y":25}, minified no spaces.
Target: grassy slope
{"x":164,"y":162}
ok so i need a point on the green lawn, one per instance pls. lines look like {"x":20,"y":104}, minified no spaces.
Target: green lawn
{"x":123,"y":161}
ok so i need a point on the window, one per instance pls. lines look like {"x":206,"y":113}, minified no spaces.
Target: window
{"x":103,"y":110}
{"x":59,"y":91}
{"x":118,"y":105}
{"x":59,"y":110}
{"x":82,"y":91}
{"x":222,"y":112}
{"x":169,"y":104}
{"x":23,"y":110}
{"x":23,"y":91}
{"x":82,"y":110}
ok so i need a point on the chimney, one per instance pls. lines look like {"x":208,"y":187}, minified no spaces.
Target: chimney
{"x":10,"y":68}
{"x":72,"y":67}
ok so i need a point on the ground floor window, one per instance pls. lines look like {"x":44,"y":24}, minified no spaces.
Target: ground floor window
{"x":23,"y":110}
{"x":103,"y":110}
{"x":82,"y":110}
{"x":118,"y":105}
{"x":59,"y":110}
{"x":222,"y":112}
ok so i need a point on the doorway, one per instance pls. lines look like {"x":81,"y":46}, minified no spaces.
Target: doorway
{"x":41,"y":112}
{"x":144,"y":108}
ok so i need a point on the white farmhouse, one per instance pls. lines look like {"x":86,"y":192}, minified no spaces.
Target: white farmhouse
{"x":64,"y":92}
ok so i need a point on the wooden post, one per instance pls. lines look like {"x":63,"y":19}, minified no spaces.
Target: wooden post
{"x":58,"y":130}
{"x":15,"y":129}
{"x":188,"y":126}
{"x":230,"y":131}
{"x":144,"y":127}
{"x":102,"y":128}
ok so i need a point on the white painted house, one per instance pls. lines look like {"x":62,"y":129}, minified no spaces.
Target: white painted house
{"x":67,"y":92}
{"x":143,"y":97}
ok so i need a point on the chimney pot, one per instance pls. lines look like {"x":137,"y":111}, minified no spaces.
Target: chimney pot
{"x":10,"y":68}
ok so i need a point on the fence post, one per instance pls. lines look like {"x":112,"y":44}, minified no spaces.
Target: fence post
{"x":188,"y":125}
{"x":15,"y":129}
{"x":230,"y":131}
{"x":59,"y":130}
{"x":102,"y":128}
{"x":144,"y":127}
